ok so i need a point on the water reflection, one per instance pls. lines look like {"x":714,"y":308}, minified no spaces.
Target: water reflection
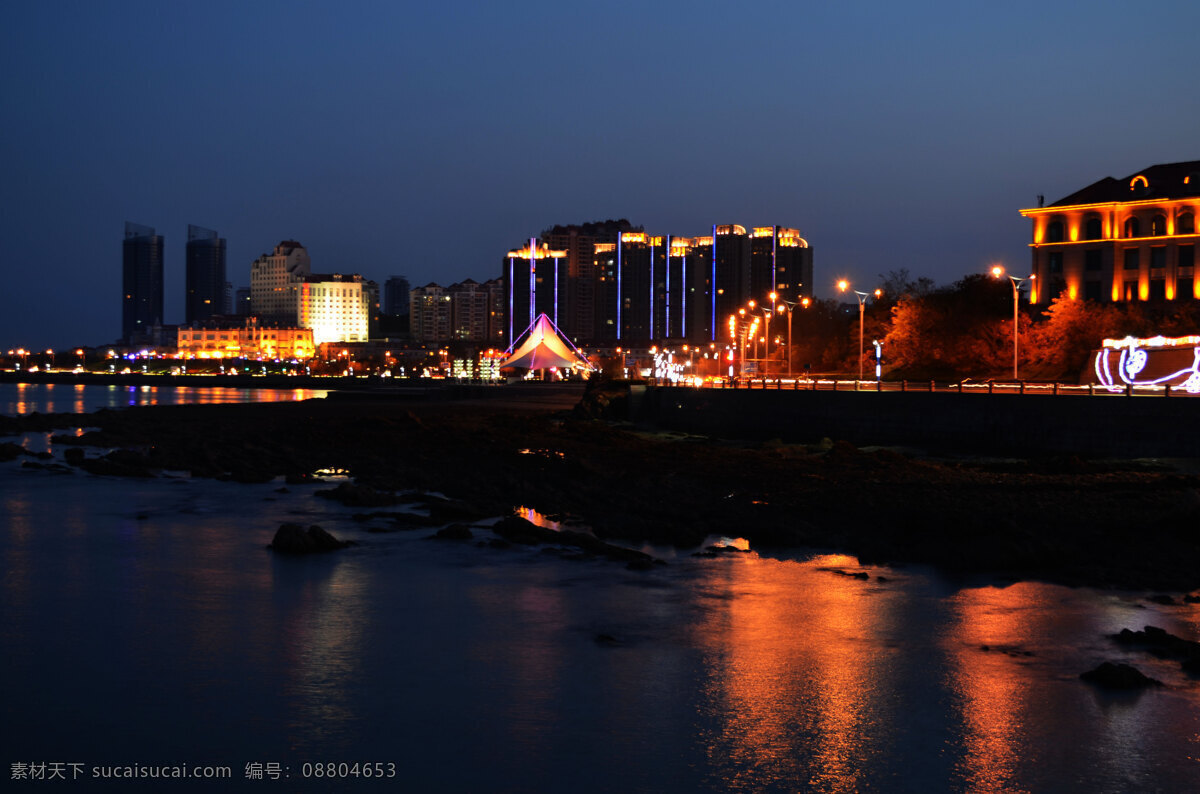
{"x":17,"y":399}
{"x":795,"y":660}
{"x":986,"y":645}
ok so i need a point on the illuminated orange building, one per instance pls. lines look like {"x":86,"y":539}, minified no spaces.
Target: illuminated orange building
{"x":248,"y":341}
{"x":1131,"y":239}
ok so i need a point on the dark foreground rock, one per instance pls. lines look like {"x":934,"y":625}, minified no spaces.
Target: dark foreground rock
{"x":1111,"y":675}
{"x":296,"y":539}
{"x":1106,"y":523}
{"x":1164,"y":645}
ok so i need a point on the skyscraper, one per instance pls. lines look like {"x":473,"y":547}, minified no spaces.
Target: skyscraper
{"x":396,"y":296}
{"x":142,"y":282}
{"x":206,"y":288}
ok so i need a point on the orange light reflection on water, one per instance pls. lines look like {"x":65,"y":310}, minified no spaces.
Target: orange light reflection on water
{"x":986,"y":656}
{"x":798,"y":654}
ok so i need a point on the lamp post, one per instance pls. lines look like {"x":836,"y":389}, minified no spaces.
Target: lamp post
{"x":843,"y":285}
{"x":997,"y":272}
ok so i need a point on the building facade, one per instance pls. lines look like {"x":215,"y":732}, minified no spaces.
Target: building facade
{"x":396,"y":294}
{"x":275,"y":280}
{"x":210,"y":340}
{"x":141,"y":282}
{"x":207,"y":291}
{"x":285,"y":292}
{"x":1130,"y":239}
{"x":429,"y":314}
{"x":643,"y":289}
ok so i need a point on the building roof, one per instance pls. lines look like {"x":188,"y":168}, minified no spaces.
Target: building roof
{"x":1164,"y":181}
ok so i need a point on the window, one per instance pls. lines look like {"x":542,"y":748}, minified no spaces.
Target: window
{"x":1092,"y":291}
{"x":1185,"y":288}
{"x":1130,"y":291}
{"x":1054,"y":232}
{"x":1158,"y":289}
{"x":1093,"y":230}
{"x":1186,"y":223}
{"x":1158,"y":256}
{"x":1055,"y":261}
{"x":1131,"y":258}
{"x":1158,"y":226}
{"x":1132,"y":228}
{"x":1187,"y":255}
{"x":1092,"y":260}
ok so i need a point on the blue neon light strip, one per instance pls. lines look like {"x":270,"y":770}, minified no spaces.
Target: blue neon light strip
{"x":532,"y":277}
{"x":620,"y":242}
{"x":667,"y":301}
{"x":651,"y":329}
{"x":712,"y":287}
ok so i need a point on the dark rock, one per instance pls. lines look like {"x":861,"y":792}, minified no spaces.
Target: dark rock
{"x":10,"y":451}
{"x":607,"y":640}
{"x":296,"y":539}
{"x":74,"y":455}
{"x":1119,"y":676}
{"x":454,"y":532}
{"x":1165,"y":600}
{"x":518,"y":530}
{"x":1164,"y":645}
{"x":354,"y":495}
{"x":1191,"y":599}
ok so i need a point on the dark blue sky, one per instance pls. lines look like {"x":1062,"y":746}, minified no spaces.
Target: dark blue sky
{"x":393,"y":138}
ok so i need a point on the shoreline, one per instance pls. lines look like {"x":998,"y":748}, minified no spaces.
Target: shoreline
{"x":1106,"y":524}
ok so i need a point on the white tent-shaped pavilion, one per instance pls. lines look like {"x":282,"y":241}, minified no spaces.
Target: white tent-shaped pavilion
{"x":544,"y":348}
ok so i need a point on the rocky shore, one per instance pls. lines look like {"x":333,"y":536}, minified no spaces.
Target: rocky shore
{"x":1107,"y":523}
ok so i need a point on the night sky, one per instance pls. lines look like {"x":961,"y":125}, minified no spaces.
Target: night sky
{"x":428,"y":140}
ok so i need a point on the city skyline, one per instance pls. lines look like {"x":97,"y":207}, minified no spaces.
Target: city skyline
{"x":427,"y":142}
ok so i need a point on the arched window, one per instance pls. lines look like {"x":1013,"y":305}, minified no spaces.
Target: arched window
{"x":1186,"y":224}
{"x":1054,"y":232}
{"x":1094,"y":230}
{"x":1158,"y":226}
{"x":1132,"y":228}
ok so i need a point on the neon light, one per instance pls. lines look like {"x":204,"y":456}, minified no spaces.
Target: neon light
{"x":1132,"y":361}
{"x":556,"y":290}
{"x":667,"y":299}
{"x":532,"y":278}
{"x":651,"y":329}
{"x":511,"y":290}
{"x":619,"y":247}
{"x":712,"y":287}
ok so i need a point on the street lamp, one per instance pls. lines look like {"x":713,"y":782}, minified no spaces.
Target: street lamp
{"x":997,"y":272}
{"x":843,"y":285}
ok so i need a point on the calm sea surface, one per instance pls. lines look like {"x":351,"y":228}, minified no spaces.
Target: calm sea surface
{"x":144,"y":623}
{"x":73,"y":398}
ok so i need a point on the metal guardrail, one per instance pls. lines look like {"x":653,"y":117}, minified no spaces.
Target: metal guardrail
{"x":958,"y":387}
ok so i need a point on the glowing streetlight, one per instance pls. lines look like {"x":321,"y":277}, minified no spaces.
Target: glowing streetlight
{"x":997,"y":272}
{"x":843,"y":285}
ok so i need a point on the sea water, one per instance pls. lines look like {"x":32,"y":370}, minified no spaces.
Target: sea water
{"x":146,"y":625}
{"x":17,"y":399}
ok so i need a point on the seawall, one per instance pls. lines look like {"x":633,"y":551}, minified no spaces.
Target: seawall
{"x":1000,"y":424}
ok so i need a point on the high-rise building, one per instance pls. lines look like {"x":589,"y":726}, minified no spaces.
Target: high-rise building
{"x":430,"y":314}
{"x":284,"y":291}
{"x":241,"y":302}
{"x":780,"y":262}
{"x":535,"y":279}
{"x":275,"y":280}
{"x":396,"y":294}
{"x":643,"y":289}
{"x":142,"y":282}
{"x":207,"y":289}
{"x":580,"y":241}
